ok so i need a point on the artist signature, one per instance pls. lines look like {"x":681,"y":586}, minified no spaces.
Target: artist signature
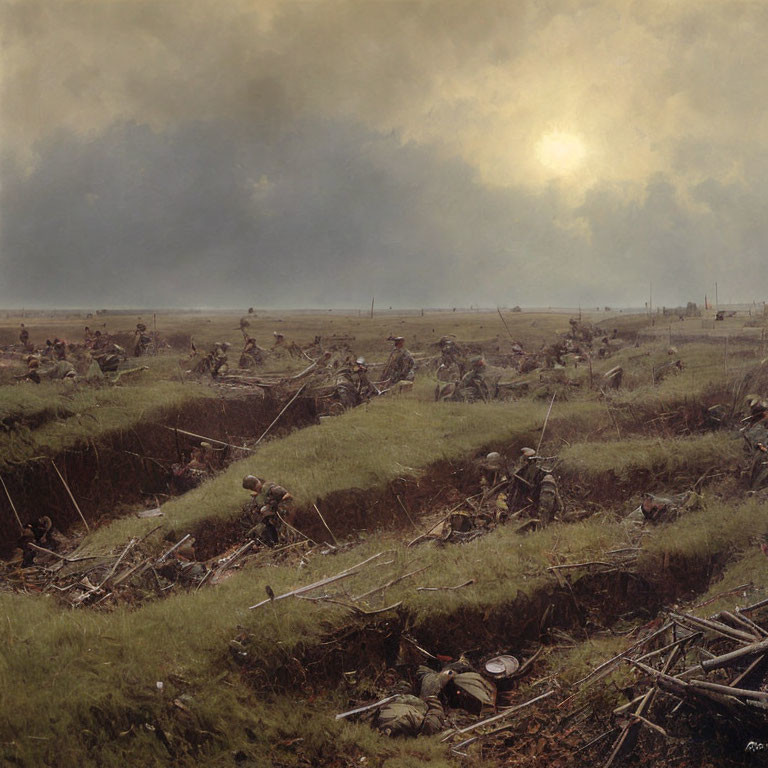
{"x":756,"y":746}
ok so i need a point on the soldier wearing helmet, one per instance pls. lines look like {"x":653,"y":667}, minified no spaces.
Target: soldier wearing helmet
{"x":550,"y":503}
{"x":353,"y":386}
{"x":401,"y":366}
{"x":529,"y":482}
{"x":268,"y":510}
{"x":451,"y":356}
{"x":472,"y":385}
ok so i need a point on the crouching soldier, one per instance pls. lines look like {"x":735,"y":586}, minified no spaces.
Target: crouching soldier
{"x":41,"y":533}
{"x":268,"y":511}
{"x":535,"y":487}
{"x":472,"y":385}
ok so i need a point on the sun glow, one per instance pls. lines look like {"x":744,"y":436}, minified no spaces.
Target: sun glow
{"x":560,"y":152}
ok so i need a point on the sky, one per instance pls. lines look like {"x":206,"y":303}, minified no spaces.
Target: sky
{"x":272,"y":153}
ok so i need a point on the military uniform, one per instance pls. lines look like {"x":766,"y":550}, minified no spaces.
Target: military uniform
{"x":264,"y":512}
{"x":472,"y":385}
{"x":401,"y":365}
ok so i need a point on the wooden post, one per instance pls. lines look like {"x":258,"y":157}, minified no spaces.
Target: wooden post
{"x":13,"y":506}
{"x":725,"y":357}
{"x":64,"y":483}
{"x":372,"y":300}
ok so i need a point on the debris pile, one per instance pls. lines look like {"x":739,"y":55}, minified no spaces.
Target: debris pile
{"x":130,"y":576}
{"x":695,"y":676}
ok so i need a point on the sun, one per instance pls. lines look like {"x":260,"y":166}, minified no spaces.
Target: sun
{"x":560,"y":152}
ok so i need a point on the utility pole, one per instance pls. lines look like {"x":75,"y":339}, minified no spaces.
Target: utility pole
{"x":372,"y":300}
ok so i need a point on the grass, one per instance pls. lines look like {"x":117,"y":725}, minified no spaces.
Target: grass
{"x":102,"y":678}
{"x":716,"y":528}
{"x":622,"y":460}
{"x":80,"y":687}
{"x":363,"y":448}
{"x":67,"y":416}
{"x":106,"y":666}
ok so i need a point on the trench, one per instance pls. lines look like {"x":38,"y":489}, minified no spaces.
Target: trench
{"x":371,"y":647}
{"x":131,"y":466}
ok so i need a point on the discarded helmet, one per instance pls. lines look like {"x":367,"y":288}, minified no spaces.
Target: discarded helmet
{"x":251,"y":482}
{"x":500,"y":667}
{"x":361,"y":361}
{"x":528,"y":452}
{"x":493,"y":459}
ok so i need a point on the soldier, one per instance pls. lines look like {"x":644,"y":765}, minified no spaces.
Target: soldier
{"x":59,"y":349}
{"x":33,"y":365}
{"x":401,"y":366}
{"x":550,"y":503}
{"x":354,"y":386}
{"x":528,"y":478}
{"x":143,"y":341}
{"x":41,"y":533}
{"x":24,"y":337}
{"x":215,"y":362}
{"x":472,"y":385}
{"x":450,"y":356}
{"x":266,"y":510}
{"x":658,"y":509}
{"x":99,"y":341}
{"x":252,"y":354}
{"x":184,"y":477}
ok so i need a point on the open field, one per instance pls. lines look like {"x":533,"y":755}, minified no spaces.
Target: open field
{"x":196,"y":678}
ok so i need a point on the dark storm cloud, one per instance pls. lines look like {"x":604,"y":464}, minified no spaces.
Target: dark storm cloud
{"x":259,"y":152}
{"x":328,"y":214}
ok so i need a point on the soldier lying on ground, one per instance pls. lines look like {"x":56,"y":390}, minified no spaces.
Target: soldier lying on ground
{"x":268,"y":511}
{"x":662,"y":509}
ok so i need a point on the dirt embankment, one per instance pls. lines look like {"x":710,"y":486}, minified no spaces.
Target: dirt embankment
{"x":126,"y":467}
{"x":595,"y":601}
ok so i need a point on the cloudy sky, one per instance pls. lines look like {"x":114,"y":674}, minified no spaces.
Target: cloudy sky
{"x":430,"y":152}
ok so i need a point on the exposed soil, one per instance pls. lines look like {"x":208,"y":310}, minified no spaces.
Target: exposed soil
{"x":130,"y":466}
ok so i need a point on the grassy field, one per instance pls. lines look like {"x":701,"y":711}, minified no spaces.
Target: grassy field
{"x":81,"y":687}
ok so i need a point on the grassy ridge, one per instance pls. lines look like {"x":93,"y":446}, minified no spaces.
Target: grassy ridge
{"x":592,"y":461}
{"x":105,"y":666}
{"x":363,"y":448}
{"x":69,"y":416}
